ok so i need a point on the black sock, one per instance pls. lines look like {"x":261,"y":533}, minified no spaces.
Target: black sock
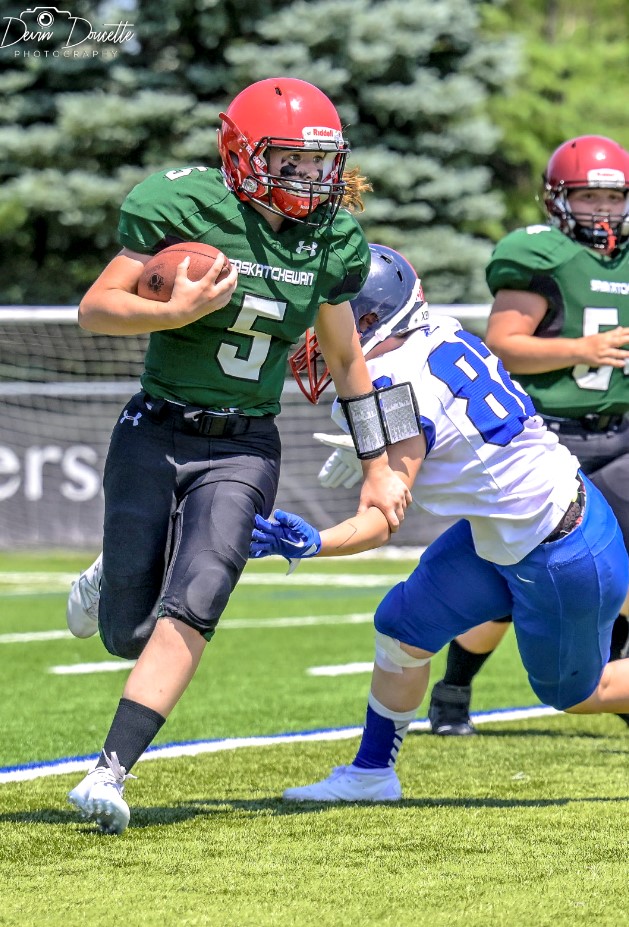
{"x":132,"y":730}
{"x":619,"y":637}
{"x":462,"y":665}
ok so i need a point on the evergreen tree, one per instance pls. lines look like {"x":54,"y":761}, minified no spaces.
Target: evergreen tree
{"x":573,"y":81}
{"x":78,"y":129}
{"x":451,"y":106}
{"x":411,"y":81}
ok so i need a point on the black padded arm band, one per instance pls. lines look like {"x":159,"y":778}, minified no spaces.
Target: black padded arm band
{"x":380,"y":418}
{"x":365,"y":425}
{"x":399,"y":412}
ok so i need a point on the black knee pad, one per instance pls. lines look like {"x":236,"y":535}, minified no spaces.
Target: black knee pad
{"x":125,"y":641}
{"x":125,"y":623}
{"x":200,"y":601}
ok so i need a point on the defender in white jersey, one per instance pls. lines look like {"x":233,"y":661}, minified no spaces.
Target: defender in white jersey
{"x":535,"y":538}
{"x":484,"y":443}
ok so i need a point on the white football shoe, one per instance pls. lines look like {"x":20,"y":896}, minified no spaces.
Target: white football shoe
{"x":99,"y":796}
{"x":83,"y":601}
{"x":350,"y":783}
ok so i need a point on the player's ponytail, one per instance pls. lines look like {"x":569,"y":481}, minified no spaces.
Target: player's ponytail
{"x":356,"y":184}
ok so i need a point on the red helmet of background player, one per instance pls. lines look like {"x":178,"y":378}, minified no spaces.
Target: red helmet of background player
{"x":285,"y":113}
{"x":589,"y":161}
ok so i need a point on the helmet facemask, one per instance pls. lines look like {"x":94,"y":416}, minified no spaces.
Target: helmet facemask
{"x":297,"y":198}
{"x":309,"y":368}
{"x":602,"y":232}
{"x":292,"y":195}
{"x":589,"y":162}
{"x":392,"y":299}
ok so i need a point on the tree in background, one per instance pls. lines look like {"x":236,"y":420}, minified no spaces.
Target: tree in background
{"x":77,"y":131}
{"x":437,"y":114}
{"x":573,"y":81}
{"x":411,"y":80}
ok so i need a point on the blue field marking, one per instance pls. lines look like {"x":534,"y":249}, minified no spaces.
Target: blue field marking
{"x":60,"y":767}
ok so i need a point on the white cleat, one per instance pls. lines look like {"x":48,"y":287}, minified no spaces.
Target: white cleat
{"x":83,"y":601}
{"x":350,"y":783}
{"x":99,"y":796}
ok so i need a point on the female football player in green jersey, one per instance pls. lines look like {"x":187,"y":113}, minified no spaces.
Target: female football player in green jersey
{"x":195,"y":455}
{"x":560,"y":324}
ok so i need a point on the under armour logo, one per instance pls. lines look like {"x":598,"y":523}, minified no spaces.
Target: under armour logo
{"x":311,"y":248}
{"x":130,"y":418}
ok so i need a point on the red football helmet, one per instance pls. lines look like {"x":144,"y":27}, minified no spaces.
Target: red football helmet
{"x":284,"y":113}
{"x":589,"y":161}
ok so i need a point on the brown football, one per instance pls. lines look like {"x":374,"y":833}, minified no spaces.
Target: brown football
{"x":158,"y":277}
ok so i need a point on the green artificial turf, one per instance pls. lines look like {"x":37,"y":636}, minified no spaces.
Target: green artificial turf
{"x":524,"y":824}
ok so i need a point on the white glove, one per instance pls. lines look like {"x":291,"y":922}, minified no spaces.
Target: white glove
{"x":342,"y":440}
{"x":342,"y":468}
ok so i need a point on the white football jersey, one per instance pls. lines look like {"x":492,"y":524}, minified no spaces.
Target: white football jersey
{"x":490,"y":459}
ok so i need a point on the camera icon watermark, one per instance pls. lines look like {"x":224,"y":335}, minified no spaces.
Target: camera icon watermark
{"x":36,"y":29}
{"x":45,"y":16}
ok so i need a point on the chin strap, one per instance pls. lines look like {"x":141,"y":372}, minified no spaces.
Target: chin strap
{"x":611,"y":236}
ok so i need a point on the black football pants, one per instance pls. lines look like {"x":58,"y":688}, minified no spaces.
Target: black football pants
{"x":179,"y":511}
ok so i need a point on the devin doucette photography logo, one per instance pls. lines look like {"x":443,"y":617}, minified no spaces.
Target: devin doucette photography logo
{"x":34,"y":31}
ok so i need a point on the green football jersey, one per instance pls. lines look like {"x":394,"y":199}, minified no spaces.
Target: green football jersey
{"x":587,"y":292}
{"x":235,"y":358}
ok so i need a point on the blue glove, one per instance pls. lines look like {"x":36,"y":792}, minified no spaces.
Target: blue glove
{"x":285,"y":534}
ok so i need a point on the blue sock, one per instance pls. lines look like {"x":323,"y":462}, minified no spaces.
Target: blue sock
{"x":383,"y":734}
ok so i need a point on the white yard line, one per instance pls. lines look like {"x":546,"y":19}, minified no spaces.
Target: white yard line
{"x":116,"y":666}
{"x":29,"y":637}
{"x":227,"y":624}
{"x":343,"y":669}
{"x":84,"y":669}
{"x":42,"y":583}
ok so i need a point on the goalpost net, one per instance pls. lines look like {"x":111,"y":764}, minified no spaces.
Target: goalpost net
{"x":61,"y":390}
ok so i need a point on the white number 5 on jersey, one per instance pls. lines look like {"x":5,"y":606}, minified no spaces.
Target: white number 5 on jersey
{"x":593,"y":320}
{"x":230,"y":356}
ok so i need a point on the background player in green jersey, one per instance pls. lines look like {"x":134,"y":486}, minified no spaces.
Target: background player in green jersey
{"x":560,"y":324}
{"x":195,"y":454}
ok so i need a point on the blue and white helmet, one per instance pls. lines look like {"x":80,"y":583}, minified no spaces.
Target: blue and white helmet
{"x":390,"y":303}
{"x":392,"y":300}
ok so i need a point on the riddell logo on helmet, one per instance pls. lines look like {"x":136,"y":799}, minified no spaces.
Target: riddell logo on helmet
{"x":606,"y":175}
{"x":322,"y":132}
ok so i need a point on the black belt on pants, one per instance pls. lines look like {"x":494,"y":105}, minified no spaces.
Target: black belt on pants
{"x":207,"y":422}
{"x":588,"y":424}
{"x":572,"y":516}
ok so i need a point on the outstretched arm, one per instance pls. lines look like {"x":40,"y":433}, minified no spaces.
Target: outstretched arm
{"x":292,"y":537}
